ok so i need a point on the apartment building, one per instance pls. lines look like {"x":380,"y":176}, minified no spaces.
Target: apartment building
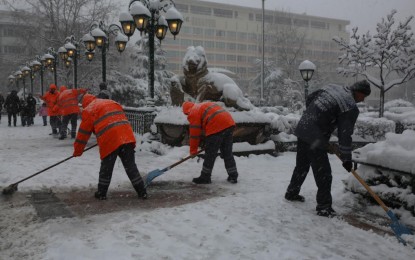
{"x":232,"y":36}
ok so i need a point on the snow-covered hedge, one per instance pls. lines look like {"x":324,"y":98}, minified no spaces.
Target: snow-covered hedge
{"x":394,"y":180}
{"x":371,"y":129}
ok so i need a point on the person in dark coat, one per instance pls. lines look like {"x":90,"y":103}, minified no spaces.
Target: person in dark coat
{"x":329,"y":108}
{"x":103,"y":92}
{"x":31,"y":109}
{"x":12,"y":106}
{"x":24,"y":112}
{"x":1,"y":104}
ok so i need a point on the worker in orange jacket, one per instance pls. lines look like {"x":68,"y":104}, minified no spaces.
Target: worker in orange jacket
{"x":50,"y":98}
{"x":107,"y":120}
{"x":217,"y":125}
{"x":67,"y":105}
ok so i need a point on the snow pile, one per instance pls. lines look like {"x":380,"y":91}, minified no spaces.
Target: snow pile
{"x":395,"y":182}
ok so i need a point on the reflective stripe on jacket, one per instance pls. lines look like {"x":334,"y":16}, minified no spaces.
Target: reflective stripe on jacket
{"x":67,"y":102}
{"x":206,"y":119}
{"x":50,"y":100}
{"x":107,"y":120}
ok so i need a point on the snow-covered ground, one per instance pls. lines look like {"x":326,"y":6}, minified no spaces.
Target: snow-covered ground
{"x":249,"y":220}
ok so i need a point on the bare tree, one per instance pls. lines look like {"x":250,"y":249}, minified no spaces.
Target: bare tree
{"x":390,"y":52}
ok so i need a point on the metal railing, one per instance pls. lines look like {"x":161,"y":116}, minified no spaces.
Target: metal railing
{"x":141,"y":118}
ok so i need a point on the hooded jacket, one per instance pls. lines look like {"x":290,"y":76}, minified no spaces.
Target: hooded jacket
{"x":50,"y":99}
{"x":206,"y":118}
{"x":107,"y":120}
{"x":67,"y":102}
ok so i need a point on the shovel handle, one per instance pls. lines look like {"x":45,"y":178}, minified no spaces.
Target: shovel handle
{"x":39,"y":172}
{"x":182,"y":160}
{"x":371,"y":192}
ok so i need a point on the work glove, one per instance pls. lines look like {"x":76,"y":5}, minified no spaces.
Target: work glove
{"x":77,"y":153}
{"x":348,"y":165}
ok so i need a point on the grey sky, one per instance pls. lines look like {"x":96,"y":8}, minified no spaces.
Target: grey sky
{"x":361,"y":13}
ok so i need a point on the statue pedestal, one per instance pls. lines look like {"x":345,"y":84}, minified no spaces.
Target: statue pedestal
{"x":252,"y":126}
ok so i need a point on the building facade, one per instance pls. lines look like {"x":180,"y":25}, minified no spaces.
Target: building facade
{"x":232,"y":36}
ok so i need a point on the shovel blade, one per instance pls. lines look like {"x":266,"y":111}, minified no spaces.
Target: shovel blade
{"x":152,"y":175}
{"x":398,"y":228}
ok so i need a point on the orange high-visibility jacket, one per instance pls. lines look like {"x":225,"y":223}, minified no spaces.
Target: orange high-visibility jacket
{"x":207,"y":118}
{"x":107,"y":120}
{"x":67,"y":102}
{"x":50,"y":100}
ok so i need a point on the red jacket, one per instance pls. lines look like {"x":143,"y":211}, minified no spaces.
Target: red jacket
{"x":67,"y":102}
{"x":50,"y":99}
{"x":206,"y":118}
{"x":107,"y":120}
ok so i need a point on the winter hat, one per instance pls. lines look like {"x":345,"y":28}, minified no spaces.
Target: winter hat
{"x":187,"y":106}
{"x":52,"y":86}
{"x":361,"y":86}
{"x":88,"y":98}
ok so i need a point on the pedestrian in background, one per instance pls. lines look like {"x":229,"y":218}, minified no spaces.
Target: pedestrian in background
{"x":31,"y":109}
{"x":1,"y":104}
{"x":12,"y":105}
{"x":43,"y":112}
{"x":103,"y":92}
{"x":328,"y":108}
{"x":217,"y":125}
{"x":115,"y":137}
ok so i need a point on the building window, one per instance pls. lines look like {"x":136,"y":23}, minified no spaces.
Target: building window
{"x":241,"y":58}
{"x":197,"y":31}
{"x":219,"y":57}
{"x":301,"y":22}
{"x":209,"y":32}
{"x":252,"y":36}
{"x":318,"y":25}
{"x":197,"y":43}
{"x":231,"y":57}
{"x":200,"y":10}
{"x":220,"y":33}
{"x":251,"y":16}
{"x":241,"y":36}
{"x":231,"y":34}
{"x":185,"y":42}
{"x":182,"y":8}
{"x":252,"y":47}
{"x":242,"y":47}
{"x":209,"y":44}
{"x":220,"y":45}
{"x":231,"y":46}
{"x":223,"y":13}
{"x":283,"y":20}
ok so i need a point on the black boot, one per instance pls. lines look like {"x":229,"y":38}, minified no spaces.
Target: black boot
{"x":141,"y":191}
{"x":202,"y":180}
{"x":100,"y":195}
{"x":232,"y":179}
{"x":327,"y":212}
{"x":296,"y":197}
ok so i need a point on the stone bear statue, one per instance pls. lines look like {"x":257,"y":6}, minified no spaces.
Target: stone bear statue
{"x":201,"y":84}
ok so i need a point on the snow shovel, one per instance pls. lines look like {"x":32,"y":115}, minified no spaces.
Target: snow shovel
{"x":13,"y":187}
{"x":155,"y":173}
{"x":398,"y":228}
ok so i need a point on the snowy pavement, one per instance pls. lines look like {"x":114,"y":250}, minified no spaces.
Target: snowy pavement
{"x":249,"y":220}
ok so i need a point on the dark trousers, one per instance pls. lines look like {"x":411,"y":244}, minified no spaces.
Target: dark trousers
{"x":45,"y":120}
{"x":9,"y":115}
{"x":222,"y":141}
{"x":319,"y":162}
{"x":126,"y":153}
{"x":55,"y":123}
{"x":65,"y":121}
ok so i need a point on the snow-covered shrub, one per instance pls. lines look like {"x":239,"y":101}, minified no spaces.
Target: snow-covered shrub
{"x":402,"y":113}
{"x":394,"y":180}
{"x":372,"y":129}
{"x":397,"y":103}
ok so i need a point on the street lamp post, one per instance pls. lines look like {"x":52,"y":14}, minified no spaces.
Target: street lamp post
{"x":145,"y":16}
{"x":27,"y":72}
{"x":36,"y":66}
{"x":99,"y":36}
{"x":307,"y":69}
{"x":71,"y":46}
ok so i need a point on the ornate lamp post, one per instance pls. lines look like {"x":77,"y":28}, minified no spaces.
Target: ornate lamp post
{"x":307,"y":69}
{"x":18,"y":75}
{"x":27,"y":71}
{"x":99,"y":36}
{"x":145,"y":16}
{"x":49,"y":60}
{"x":72,"y":52}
